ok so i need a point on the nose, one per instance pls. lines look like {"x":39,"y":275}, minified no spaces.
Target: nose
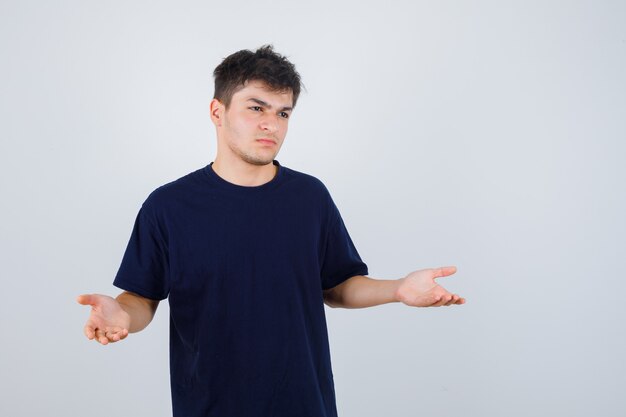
{"x":269,"y":123}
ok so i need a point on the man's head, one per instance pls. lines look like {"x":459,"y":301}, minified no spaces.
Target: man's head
{"x":265,"y":65}
{"x":255,"y":93}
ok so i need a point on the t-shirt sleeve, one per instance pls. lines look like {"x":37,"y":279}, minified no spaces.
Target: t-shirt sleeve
{"x":145,"y":265}
{"x":341,"y":260}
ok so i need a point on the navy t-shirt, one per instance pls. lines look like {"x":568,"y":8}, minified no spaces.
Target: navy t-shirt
{"x":243,"y":269}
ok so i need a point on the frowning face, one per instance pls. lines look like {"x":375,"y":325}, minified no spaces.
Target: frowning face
{"x":254,"y":125}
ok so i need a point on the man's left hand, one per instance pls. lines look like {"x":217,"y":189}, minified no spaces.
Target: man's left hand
{"x":419,"y":289}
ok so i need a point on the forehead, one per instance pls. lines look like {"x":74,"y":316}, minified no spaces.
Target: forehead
{"x":260,"y":90}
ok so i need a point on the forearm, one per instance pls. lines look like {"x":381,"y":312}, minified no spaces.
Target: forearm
{"x":361,"y":291}
{"x":141,"y":310}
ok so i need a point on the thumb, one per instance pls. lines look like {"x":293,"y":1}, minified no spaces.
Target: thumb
{"x":444,"y":271}
{"x":87,"y":299}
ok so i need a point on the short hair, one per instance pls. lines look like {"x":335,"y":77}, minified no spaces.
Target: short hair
{"x":262,"y":65}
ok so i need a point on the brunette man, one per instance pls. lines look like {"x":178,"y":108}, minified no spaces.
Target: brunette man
{"x":247,"y":252}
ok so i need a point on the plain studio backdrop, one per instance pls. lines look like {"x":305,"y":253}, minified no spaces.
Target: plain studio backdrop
{"x":487,"y":135}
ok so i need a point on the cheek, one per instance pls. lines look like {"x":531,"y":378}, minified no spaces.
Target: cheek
{"x":284,"y":129}
{"x":243,"y":126}
{"x":249,"y":124}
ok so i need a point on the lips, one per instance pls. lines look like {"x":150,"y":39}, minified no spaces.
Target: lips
{"x":266,"y":141}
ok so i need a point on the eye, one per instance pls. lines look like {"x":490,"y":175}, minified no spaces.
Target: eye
{"x":255,"y":108}
{"x":284,"y":115}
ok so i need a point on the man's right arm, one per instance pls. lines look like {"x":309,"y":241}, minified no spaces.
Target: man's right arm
{"x":111,"y":319}
{"x":140,"y":309}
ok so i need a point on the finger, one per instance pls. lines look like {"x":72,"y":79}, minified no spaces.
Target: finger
{"x":459,"y":301}
{"x":444,"y":271}
{"x":86,"y":299}
{"x":122,"y":334}
{"x":453,"y":300}
{"x":446,"y":299}
{"x":116,"y":334}
{"x":432,"y":301}
{"x":441,"y":300}
{"x":98,"y":334}
{"x":89,"y":330}
{"x":101,"y":337}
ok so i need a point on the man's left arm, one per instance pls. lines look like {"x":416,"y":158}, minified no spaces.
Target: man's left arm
{"x":417,"y":289}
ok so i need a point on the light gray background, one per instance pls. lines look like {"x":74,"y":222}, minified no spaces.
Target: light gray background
{"x":486,"y":134}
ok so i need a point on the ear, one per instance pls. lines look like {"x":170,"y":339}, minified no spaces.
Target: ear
{"x":217,"y":110}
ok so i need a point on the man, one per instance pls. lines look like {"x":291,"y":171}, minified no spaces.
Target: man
{"x":247,"y":252}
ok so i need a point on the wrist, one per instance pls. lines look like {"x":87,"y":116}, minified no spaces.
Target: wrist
{"x":398,"y":296}
{"x":396,"y":290}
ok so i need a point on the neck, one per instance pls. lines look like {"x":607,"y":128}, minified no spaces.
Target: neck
{"x":242,"y":173}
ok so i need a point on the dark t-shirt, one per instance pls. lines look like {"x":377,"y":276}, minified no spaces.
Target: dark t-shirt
{"x":244,"y":269}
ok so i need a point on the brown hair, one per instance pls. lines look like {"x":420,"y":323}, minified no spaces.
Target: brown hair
{"x":263,"y":65}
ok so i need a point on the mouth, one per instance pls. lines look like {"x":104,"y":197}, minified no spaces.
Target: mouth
{"x":267,"y":141}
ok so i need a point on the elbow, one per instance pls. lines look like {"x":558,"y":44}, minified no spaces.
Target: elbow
{"x":331,"y":299}
{"x":331,"y":304}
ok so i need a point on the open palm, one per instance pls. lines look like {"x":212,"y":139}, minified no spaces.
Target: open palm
{"x":419,"y":289}
{"x":108,"y":322}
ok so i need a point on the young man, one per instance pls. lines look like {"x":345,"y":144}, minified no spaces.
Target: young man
{"x":247,"y":252}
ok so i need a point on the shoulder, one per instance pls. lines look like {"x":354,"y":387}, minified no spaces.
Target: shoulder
{"x":167,"y":194}
{"x":305,"y":182}
{"x":310,"y":192}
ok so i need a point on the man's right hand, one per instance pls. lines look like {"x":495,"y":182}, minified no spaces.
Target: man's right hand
{"x":108,"y":321}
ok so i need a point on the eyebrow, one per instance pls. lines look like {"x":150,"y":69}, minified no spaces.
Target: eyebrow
{"x":264,"y":104}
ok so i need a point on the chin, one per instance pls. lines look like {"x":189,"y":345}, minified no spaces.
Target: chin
{"x":259,"y":161}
